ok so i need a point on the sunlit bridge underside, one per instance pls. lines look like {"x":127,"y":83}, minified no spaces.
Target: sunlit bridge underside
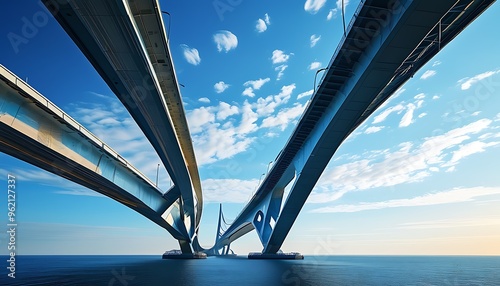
{"x":385,"y":43}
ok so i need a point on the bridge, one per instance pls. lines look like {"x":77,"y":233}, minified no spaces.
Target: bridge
{"x":385,"y":43}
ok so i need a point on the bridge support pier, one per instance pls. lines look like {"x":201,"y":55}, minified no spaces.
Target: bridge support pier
{"x":186,"y":252}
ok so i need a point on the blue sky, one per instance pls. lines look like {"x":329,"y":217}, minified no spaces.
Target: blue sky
{"x":420,"y":176}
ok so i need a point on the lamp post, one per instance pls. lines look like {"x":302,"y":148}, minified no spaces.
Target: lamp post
{"x":157,"y":170}
{"x":267,"y":171}
{"x":318,"y":71}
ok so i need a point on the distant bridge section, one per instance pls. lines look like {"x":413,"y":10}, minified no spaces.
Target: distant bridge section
{"x":126,"y":43}
{"x":35,"y":130}
{"x":384,"y":45}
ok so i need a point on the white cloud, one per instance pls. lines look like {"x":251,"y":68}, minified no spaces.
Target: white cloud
{"x":199,"y":118}
{"x":191,"y":55}
{"x":468,"y":82}
{"x":248,"y":92}
{"x":451,"y":223}
{"x":217,"y":138}
{"x":252,"y":85}
{"x":332,"y":13}
{"x":419,"y":96}
{"x":373,"y":129}
{"x":218,"y":143}
{"x":446,"y":197}
{"x":408,"y":117}
{"x":281,"y":71}
{"x":267,"y":19}
{"x":279,"y":57}
{"x":262,"y":24}
{"x":267,"y":106}
{"x":225,"y":40}
{"x":384,"y":114}
{"x":436,"y":63}
{"x":428,"y":73}
{"x":204,"y":100}
{"x":422,"y":115}
{"x":284,"y":117}
{"x":220,"y":86}
{"x":407,"y":163}
{"x":469,"y":149}
{"x":314,"y":40}
{"x":313,"y":6}
{"x":305,"y":94}
{"x":435,"y":97}
{"x":228,"y":190}
{"x":314,"y":65}
{"x":257,"y":84}
{"x":226,"y":110}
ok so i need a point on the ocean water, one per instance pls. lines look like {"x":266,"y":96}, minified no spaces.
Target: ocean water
{"x":313,"y":270}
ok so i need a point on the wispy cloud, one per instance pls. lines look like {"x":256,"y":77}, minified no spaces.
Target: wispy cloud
{"x":281,"y":71}
{"x":305,"y":94}
{"x":220,"y":86}
{"x":428,"y":73}
{"x":466,"y":83}
{"x":228,"y":190}
{"x":314,"y":66}
{"x":314,"y":40}
{"x":439,"y":198}
{"x":58,"y":184}
{"x":384,"y":114}
{"x":191,"y":55}
{"x":408,"y":117}
{"x":313,"y":6}
{"x":225,"y":41}
{"x":204,"y":100}
{"x":252,"y":85}
{"x":332,"y":13}
{"x":373,"y":129}
{"x":284,"y":116}
{"x":262,"y":24}
{"x":216,"y":138}
{"x":469,"y":149}
{"x":408,"y":163}
{"x":451,"y":223}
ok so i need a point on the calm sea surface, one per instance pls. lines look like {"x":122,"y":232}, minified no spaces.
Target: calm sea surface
{"x":313,"y":270}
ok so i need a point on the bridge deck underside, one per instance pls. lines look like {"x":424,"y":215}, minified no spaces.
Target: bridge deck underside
{"x":36,"y":131}
{"x":125,"y":42}
{"x":384,"y":46}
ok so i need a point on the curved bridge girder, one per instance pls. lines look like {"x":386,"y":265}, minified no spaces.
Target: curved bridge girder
{"x":385,"y":44}
{"x":125,"y":42}
{"x":36,"y":131}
